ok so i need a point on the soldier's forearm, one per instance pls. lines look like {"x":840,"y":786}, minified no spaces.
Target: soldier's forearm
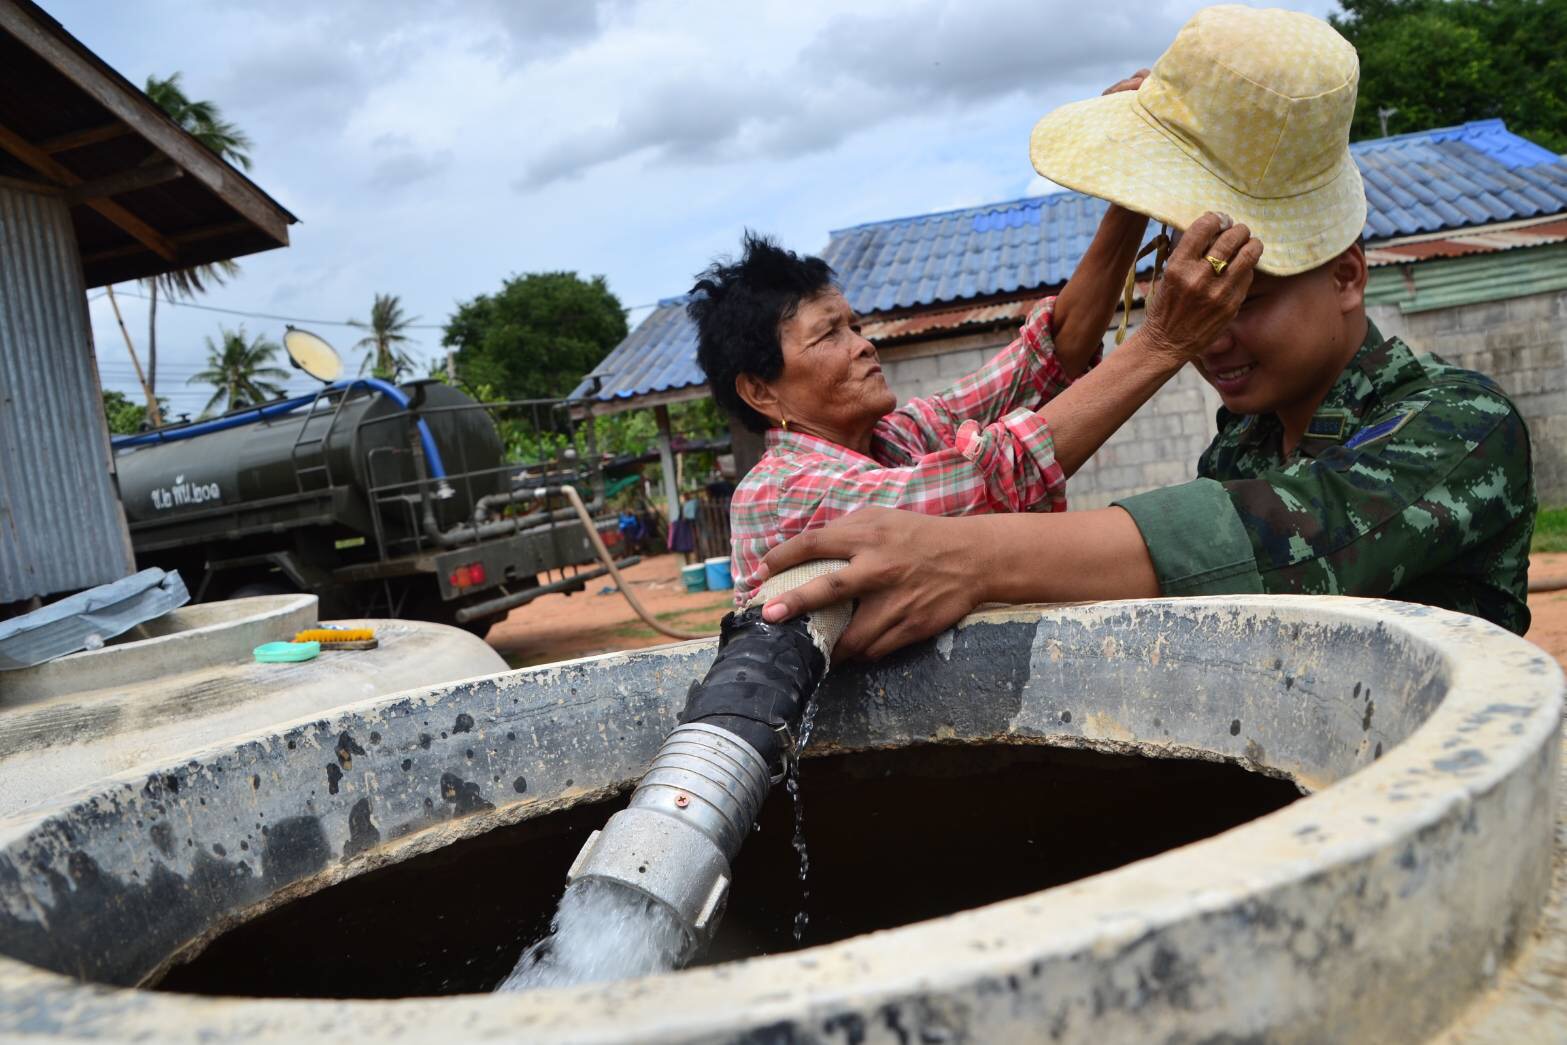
{"x":1062,"y":557}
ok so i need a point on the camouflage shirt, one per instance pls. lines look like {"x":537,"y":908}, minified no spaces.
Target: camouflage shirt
{"x":1413,"y":481}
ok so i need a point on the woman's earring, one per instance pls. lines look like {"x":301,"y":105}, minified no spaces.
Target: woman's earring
{"x":785,"y":422}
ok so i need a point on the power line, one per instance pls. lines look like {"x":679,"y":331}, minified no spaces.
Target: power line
{"x":296,"y":319}
{"x":263,"y":315}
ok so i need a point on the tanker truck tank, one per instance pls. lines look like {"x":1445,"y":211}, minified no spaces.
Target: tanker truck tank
{"x":322,"y":458}
{"x":382,"y":500}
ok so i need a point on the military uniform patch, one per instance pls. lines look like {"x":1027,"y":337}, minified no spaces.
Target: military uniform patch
{"x":1328,"y":424}
{"x":1382,"y":429}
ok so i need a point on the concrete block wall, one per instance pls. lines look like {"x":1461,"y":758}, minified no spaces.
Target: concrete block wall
{"x":1522,"y":344}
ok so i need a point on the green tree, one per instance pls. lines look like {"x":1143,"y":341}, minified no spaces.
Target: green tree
{"x":206,"y":124}
{"x":1435,"y":63}
{"x":241,"y":371}
{"x":537,"y":336}
{"x":384,"y":355}
{"x":125,"y":416}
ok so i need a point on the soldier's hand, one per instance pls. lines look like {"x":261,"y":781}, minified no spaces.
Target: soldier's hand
{"x":914,"y":576}
{"x":1196,"y":299}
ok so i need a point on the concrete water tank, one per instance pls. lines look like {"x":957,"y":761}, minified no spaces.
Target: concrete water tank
{"x":1405,"y":889}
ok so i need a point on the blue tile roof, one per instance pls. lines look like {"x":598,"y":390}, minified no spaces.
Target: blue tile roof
{"x":1429,"y":181}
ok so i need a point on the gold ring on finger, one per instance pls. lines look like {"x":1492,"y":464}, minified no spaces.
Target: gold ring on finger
{"x":1217,"y":263}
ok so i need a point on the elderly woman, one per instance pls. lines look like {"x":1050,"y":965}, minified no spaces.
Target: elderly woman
{"x":783,"y":353}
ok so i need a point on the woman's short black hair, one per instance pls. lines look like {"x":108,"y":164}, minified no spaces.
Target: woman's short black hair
{"x":738,"y":306}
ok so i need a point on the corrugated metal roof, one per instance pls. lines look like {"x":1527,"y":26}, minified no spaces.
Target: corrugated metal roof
{"x":1459,"y":244}
{"x":658,"y":356}
{"x":1452,"y":178}
{"x":61,"y":525}
{"x":1451,"y":282}
{"x":978,"y":317}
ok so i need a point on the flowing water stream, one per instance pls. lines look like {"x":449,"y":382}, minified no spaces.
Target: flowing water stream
{"x":600,"y":932}
{"x":802,"y":917}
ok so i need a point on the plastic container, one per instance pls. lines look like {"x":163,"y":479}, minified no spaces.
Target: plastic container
{"x":718,"y":576}
{"x":695,"y":576}
{"x":286,"y":652}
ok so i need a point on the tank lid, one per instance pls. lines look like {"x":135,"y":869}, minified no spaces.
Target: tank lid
{"x":311,"y":353}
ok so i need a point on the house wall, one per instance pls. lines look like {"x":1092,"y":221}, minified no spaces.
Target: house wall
{"x":1521,"y":343}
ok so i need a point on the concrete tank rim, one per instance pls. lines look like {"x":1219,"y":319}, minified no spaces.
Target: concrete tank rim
{"x":885,"y":963}
{"x":254,"y":620}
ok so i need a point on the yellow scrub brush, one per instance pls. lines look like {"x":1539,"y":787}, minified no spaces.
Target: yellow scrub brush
{"x":340,"y":638}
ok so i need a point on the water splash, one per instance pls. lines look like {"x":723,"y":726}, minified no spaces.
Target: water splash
{"x":802,"y":917}
{"x":601,"y":932}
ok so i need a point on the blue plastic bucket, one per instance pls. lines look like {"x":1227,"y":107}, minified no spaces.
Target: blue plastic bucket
{"x":718,"y":577}
{"x":695,"y":576}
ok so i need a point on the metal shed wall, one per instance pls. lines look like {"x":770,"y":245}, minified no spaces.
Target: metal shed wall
{"x":61,"y":524}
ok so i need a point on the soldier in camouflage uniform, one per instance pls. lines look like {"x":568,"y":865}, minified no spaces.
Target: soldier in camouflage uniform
{"x":1344,"y":463}
{"x":1412,"y":479}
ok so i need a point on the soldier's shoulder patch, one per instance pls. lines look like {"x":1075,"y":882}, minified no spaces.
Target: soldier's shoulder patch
{"x":1328,"y":424}
{"x":1383,"y":429}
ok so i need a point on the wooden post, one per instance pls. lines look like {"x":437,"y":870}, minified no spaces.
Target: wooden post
{"x":666,"y":457}
{"x":153,"y":414}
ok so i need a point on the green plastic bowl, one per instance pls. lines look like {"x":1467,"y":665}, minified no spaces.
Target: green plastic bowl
{"x":286,"y":652}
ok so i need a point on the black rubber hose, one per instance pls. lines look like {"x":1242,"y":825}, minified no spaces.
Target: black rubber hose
{"x":759,"y":683}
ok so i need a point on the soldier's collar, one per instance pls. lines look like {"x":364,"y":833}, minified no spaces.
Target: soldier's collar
{"x":1378,"y":367}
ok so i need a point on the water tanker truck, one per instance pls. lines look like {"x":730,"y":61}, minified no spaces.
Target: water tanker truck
{"x":383,"y":500}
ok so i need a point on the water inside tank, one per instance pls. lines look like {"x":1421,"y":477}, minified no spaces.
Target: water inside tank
{"x":895,"y":837}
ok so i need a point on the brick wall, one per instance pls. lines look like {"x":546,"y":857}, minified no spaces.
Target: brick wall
{"x":1522,"y":343}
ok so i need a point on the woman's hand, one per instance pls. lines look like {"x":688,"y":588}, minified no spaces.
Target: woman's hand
{"x":1193,"y":303}
{"x":1131,"y":83}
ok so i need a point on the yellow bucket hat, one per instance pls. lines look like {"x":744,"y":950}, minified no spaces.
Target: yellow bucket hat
{"x":1248,"y":114}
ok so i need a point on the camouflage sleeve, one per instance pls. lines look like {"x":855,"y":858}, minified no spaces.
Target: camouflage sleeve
{"x":1420,"y":484}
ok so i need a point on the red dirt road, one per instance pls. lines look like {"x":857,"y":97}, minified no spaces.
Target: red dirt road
{"x":562,"y":627}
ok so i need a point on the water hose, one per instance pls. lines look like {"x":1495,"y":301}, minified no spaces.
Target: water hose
{"x":700,"y":798}
{"x":620,"y":582}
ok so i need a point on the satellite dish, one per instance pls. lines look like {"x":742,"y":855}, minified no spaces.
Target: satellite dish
{"x":312,"y":354}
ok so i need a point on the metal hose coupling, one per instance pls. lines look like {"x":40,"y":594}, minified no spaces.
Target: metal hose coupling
{"x":700,"y":798}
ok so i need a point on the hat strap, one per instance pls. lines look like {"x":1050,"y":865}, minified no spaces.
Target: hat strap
{"x":1160,"y":246}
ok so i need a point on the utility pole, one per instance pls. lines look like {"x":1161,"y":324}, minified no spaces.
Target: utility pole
{"x":451,"y":366}
{"x":152,"y":401}
{"x":1383,"y":114}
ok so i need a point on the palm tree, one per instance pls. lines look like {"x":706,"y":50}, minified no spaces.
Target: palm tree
{"x":206,"y":124}
{"x":387,"y":323}
{"x":240,"y":371}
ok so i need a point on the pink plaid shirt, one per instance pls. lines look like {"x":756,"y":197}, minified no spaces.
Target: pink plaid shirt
{"x":977,"y":447}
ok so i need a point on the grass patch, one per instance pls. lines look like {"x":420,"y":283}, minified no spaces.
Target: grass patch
{"x":1550,"y":531}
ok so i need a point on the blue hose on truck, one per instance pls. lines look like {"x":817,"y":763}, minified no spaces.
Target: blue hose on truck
{"x":432,"y":453}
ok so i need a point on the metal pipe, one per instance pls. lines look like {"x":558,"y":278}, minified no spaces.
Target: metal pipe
{"x":465,"y":533}
{"x":520,"y":598}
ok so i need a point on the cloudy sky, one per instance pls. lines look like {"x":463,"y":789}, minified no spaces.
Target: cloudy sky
{"x":431,"y":148}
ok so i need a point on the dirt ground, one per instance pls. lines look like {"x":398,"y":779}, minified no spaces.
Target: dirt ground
{"x":1548,"y":630}
{"x":599,"y":620}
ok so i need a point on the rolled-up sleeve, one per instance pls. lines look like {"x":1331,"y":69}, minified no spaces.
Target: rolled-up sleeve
{"x":1196,"y":540}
